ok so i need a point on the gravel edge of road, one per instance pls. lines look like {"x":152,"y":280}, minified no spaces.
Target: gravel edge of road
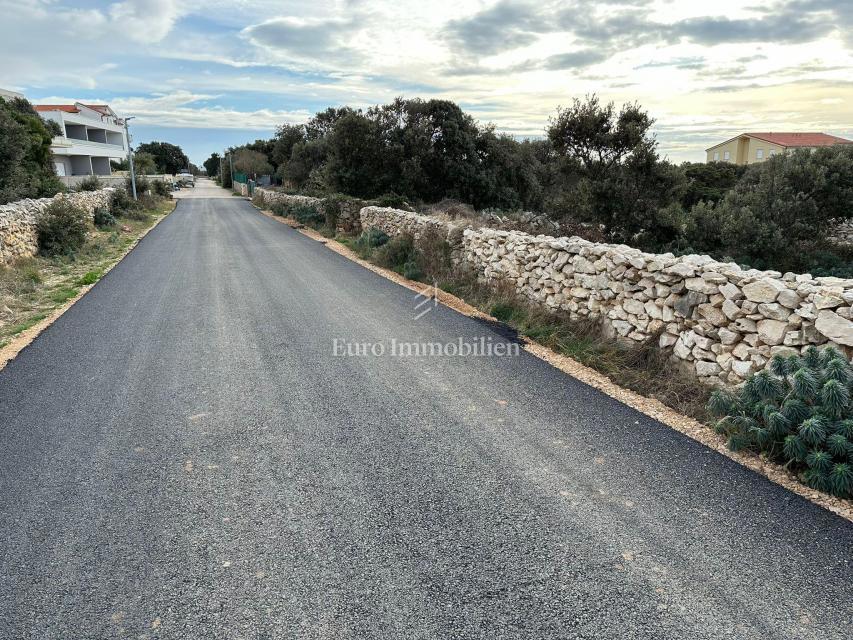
{"x":653,"y":408}
{"x":26,"y":337}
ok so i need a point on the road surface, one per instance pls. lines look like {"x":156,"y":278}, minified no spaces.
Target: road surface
{"x":184,"y":456}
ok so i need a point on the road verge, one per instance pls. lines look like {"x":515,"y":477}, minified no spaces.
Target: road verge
{"x":22,"y":339}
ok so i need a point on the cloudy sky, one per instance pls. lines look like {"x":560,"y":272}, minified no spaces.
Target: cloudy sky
{"x":212,"y":74}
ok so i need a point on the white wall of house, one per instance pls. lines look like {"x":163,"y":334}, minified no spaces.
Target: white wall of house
{"x":89,"y":141}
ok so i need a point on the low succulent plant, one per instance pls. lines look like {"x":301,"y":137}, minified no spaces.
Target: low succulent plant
{"x":797,"y":412}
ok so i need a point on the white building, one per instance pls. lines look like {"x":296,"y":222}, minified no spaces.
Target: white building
{"x":92,"y":135}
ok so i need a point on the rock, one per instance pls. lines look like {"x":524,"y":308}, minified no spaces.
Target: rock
{"x":728,"y":337}
{"x":712,"y":314}
{"x":730,"y":291}
{"x":705,"y":369}
{"x":742,"y":368}
{"x":774,"y":311}
{"x":681,"y":270}
{"x":772,"y":331}
{"x":683,"y":305}
{"x":764,"y":290}
{"x":828,"y":300}
{"x":681,"y":350}
{"x":741,"y":351}
{"x":834,"y":327}
{"x":667,"y":340}
{"x":731,"y":310}
{"x":789,"y":298}
{"x":633,"y":306}
{"x":701,"y":285}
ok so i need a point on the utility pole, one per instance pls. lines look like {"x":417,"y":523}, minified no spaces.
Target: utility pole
{"x":130,"y":156}
{"x":231,"y":163}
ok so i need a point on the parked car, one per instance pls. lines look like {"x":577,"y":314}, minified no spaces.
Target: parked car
{"x":185,"y":179}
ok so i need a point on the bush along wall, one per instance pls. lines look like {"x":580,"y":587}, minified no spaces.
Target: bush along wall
{"x":720,"y":322}
{"x":338,"y":212}
{"x":19,"y":220}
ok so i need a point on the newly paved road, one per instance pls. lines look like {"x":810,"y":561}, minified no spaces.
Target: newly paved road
{"x":182,"y":456}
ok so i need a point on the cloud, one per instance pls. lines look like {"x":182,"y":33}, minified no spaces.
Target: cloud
{"x":690,"y":62}
{"x":785,"y":27}
{"x":621,"y":25}
{"x":319,"y":41}
{"x":575,"y":59}
{"x":146,"y":20}
{"x":505,"y":25}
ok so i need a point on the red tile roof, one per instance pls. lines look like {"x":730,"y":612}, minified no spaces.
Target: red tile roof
{"x":800,"y":139}
{"x":68,"y":108}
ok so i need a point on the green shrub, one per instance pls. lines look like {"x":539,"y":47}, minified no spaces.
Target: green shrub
{"x":160,"y":188}
{"x":798,"y":413}
{"x":61,"y":229}
{"x":434,"y":254}
{"x":369,"y":240}
{"x":91,"y":277}
{"x":103,"y":218}
{"x":121,"y":203}
{"x":279,"y":209}
{"x":394,"y":201}
{"x":307,"y":215}
{"x":398,"y":253}
{"x":89,"y":184}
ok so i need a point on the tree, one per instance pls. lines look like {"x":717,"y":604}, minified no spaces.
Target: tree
{"x":212,"y":164}
{"x":251,"y":163}
{"x":26,"y":162}
{"x":169,"y":158}
{"x":355,"y":163}
{"x":709,"y":181}
{"x":287,"y":136}
{"x":144,"y":163}
{"x":613,"y":175}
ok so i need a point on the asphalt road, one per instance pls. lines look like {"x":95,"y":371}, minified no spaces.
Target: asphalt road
{"x":183,"y":456}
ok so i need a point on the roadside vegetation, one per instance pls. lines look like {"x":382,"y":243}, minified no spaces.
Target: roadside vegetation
{"x":26,"y":167}
{"x":596,"y":173}
{"x":73,"y":253}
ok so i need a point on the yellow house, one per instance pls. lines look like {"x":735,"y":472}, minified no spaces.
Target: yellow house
{"x":748,"y":148}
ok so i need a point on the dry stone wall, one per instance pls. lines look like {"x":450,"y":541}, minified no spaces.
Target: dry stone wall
{"x":18,"y":236}
{"x":720,"y":321}
{"x":348,"y":218}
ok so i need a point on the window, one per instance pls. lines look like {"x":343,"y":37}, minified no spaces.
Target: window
{"x":727,"y":155}
{"x":772,"y":153}
{"x":759,"y":154}
{"x":716,"y":155}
